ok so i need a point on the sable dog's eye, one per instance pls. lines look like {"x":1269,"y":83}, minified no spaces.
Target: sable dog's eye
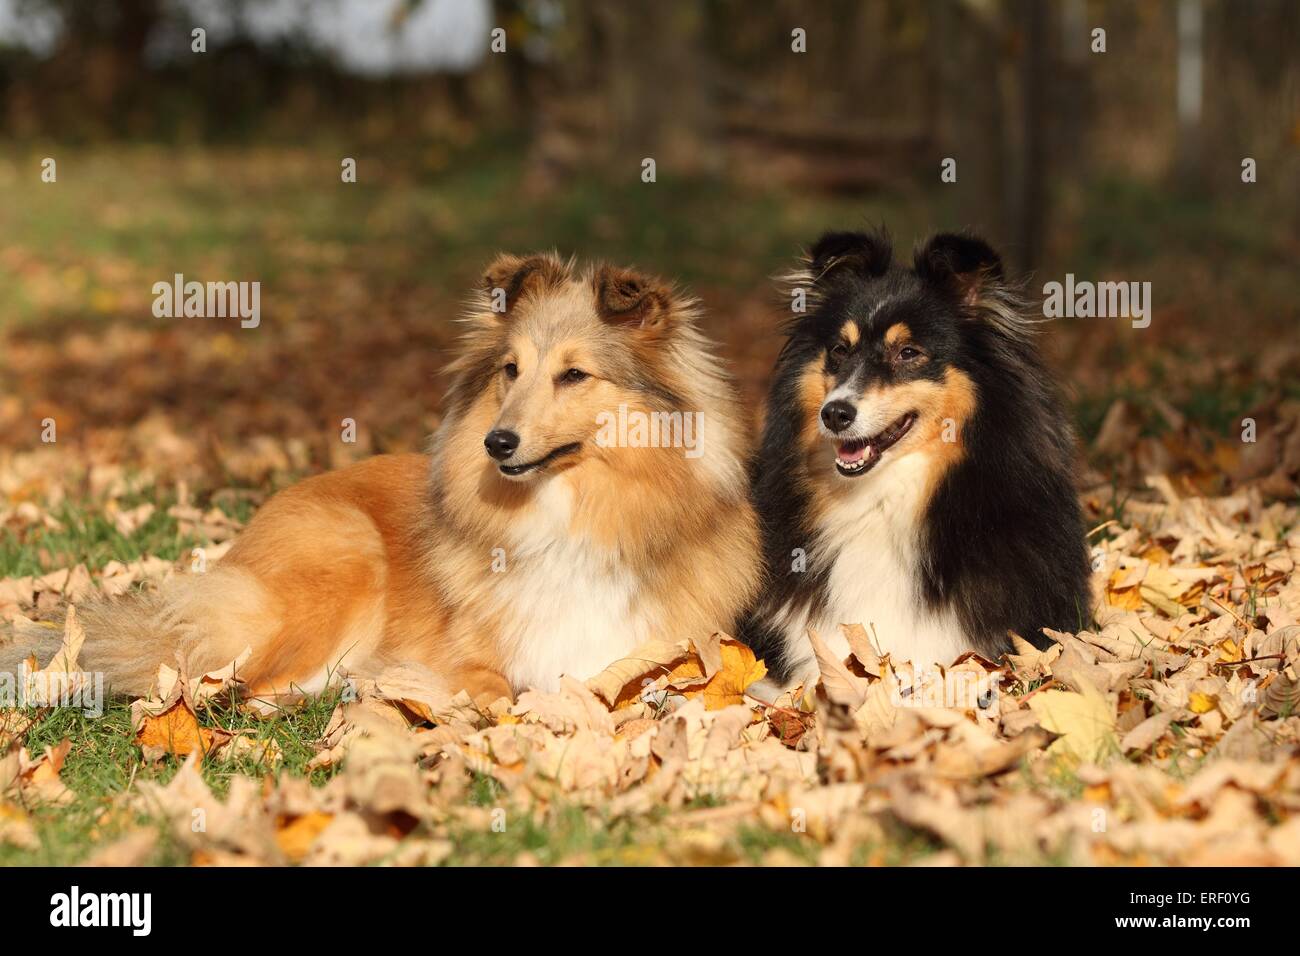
{"x":907,"y":353}
{"x":573,"y":375}
{"x":511,"y":370}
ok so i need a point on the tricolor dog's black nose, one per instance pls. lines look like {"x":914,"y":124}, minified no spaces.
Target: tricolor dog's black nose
{"x":836,"y":415}
{"x":501,"y":444}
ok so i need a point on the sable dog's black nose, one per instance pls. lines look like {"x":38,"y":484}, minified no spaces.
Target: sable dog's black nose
{"x":501,"y":444}
{"x":838,"y":415}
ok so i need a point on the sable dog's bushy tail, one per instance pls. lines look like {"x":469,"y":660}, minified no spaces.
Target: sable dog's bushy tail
{"x":196,"y":617}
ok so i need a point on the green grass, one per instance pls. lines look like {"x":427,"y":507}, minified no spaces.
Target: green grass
{"x":120,"y":218}
{"x":86,"y":534}
{"x":104,"y":762}
{"x":566,"y":833}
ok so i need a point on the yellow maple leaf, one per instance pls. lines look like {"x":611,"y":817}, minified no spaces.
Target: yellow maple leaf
{"x":176,"y":730}
{"x":1156,"y":554}
{"x":296,"y":836}
{"x":1199,"y":703}
{"x":1229,"y":650}
{"x":1097,"y":793}
{"x":1164,"y":590}
{"x":689,"y":669}
{"x":1118,"y":595}
{"x":739,"y":670}
{"x":1085,"y":721}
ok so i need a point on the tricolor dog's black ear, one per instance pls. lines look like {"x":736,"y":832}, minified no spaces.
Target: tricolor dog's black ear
{"x":509,"y":277}
{"x":866,"y":255}
{"x":967,"y":270}
{"x":964,"y":266}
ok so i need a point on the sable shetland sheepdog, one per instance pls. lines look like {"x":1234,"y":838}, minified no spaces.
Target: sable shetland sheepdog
{"x":526,"y":546}
{"x":915,"y":471}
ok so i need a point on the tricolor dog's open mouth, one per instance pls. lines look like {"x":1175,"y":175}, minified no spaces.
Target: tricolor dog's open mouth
{"x":513,"y":471}
{"x":857,"y":457}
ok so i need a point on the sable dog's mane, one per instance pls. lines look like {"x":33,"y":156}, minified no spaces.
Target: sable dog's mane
{"x":650,"y":332}
{"x":645,"y":333}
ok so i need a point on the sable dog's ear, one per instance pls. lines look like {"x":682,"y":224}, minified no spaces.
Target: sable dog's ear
{"x":630,"y":299}
{"x":964,"y":266}
{"x":509,"y":277}
{"x":866,"y":255}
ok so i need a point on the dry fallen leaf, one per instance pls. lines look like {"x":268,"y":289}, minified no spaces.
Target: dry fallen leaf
{"x":134,"y":849}
{"x":1197,"y":609}
{"x":36,"y":780}
{"x":59,"y":681}
{"x":653,"y":659}
{"x":842,"y":686}
{"x":1148,"y":731}
{"x":1085,"y":721}
{"x":862,"y":648}
{"x":296,"y":836}
{"x":1282,"y":696}
{"x":16,"y":828}
{"x":739,"y":670}
{"x":176,"y":731}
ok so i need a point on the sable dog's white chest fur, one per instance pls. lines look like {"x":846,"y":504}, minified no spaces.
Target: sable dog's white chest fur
{"x":870,"y":533}
{"x":569,"y":607}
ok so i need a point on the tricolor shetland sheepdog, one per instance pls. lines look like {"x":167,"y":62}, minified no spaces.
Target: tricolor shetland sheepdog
{"x":915,"y":470}
{"x":536,"y":540}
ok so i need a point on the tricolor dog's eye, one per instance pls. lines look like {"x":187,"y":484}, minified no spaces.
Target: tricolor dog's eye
{"x":838,"y":353}
{"x":573,"y":375}
{"x":511,"y":370}
{"x":908,"y":354}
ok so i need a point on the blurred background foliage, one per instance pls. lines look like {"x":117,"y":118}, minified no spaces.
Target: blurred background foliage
{"x":224,"y":164}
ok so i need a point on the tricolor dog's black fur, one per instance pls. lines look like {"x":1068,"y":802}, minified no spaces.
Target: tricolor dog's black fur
{"x":915,"y":474}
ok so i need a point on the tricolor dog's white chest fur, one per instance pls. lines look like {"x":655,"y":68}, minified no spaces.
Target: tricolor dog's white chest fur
{"x":571,"y":607}
{"x":870,"y":533}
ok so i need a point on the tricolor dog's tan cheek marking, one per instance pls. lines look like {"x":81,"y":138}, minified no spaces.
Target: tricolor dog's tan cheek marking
{"x":814,"y":386}
{"x":816,"y":475}
{"x":898,"y":334}
{"x":948,"y":408}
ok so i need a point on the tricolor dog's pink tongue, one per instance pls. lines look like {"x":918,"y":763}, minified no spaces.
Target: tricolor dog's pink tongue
{"x":850,"y":453}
